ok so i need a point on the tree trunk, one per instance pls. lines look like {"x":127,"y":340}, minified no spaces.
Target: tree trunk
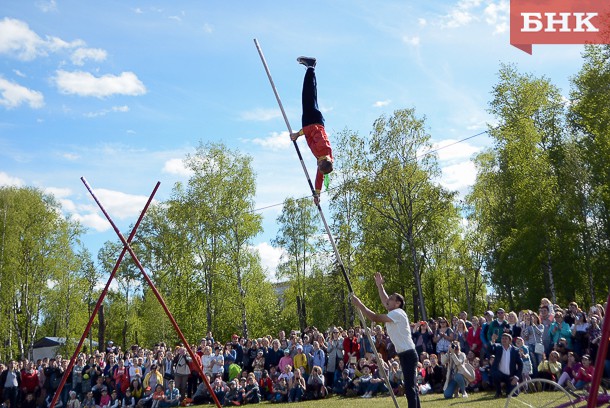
{"x":469,"y":304}
{"x":416,"y":272}
{"x":208,"y":299}
{"x":102,"y":328}
{"x":549,"y":269}
{"x":124,"y":339}
{"x":244,"y":317}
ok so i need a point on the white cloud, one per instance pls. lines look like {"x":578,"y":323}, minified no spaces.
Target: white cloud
{"x":61,"y":195}
{"x":58,"y":192}
{"x":92,"y":220}
{"x":270,"y":258}
{"x":459,"y":177}
{"x":19,"y":73}
{"x":13,"y":95}
{"x":176,"y":166}
{"x":18,"y":40}
{"x":415,"y":40}
{"x":497,"y":15}
{"x":6,"y":180}
{"x":104,"y":112}
{"x":461,"y":15}
{"x":422,"y":22}
{"x":276,"y":141}
{"x":458,"y":18}
{"x":138,"y":10}
{"x":46,"y":6}
{"x":81,"y":54}
{"x":175,"y":18}
{"x":380,"y":104}
{"x":85,"y":84}
{"x":450,"y":150}
{"x":261,"y":115}
{"x":121,"y":205}
{"x":207,"y":28}
{"x":70,"y":156}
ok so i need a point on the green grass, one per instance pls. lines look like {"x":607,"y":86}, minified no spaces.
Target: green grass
{"x":477,"y":400}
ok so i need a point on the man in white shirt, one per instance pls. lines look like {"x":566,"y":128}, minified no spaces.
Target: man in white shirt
{"x":397,"y":325}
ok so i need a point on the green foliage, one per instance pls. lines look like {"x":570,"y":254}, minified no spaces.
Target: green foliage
{"x":535,"y":224}
{"x":38,"y":269}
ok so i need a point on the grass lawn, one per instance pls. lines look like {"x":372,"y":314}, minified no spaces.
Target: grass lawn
{"x":477,"y":400}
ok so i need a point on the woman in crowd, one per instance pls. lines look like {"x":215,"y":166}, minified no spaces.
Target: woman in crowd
{"x":297,"y":387}
{"x":381,"y":340}
{"x":434,"y":374}
{"x":315,"y":383}
{"x":532,"y":335}
{"x":136,"y":389}
{"x":569,"y":370}
{"x":453,"y":361}
{"x":351,"y":348}
{"x":460,"y":335}
{"x":443,"y":336}
{"x":514,"y":326}
{"x":579,"y":333}
{"x":594,"y":335}
{"x":334,"y":355}
{"x":550,"y":369}
{"x":474,"y":336}
{"x":422,"y":337}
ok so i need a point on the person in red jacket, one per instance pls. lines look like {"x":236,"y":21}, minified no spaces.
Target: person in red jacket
{"x":313,"y":126}
{"x":29,"y":380}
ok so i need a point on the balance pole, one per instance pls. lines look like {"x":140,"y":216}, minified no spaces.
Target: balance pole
{"x":326,"y":227}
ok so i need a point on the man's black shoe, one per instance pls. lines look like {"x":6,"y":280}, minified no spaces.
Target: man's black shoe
{"x":309,"y":62}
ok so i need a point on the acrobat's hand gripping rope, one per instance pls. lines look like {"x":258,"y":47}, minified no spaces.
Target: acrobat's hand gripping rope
{"x":330,"y":236}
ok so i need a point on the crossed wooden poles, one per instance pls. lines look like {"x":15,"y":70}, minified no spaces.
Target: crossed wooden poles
{"x":127,"y":248}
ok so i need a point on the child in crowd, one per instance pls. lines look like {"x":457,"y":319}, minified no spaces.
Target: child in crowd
{"x":105,"y":399}
{"x":343,"y":383}
{"x":477,"y":384}
{"x":73,"y":402}
{"x":583,"y":377}
{"x":234,"y":396}
{"x":128,"y":400}
{"x":525,"y":357}
{"x":158,"y":396}
{"x":172,"y":395}
{"x":115,"y":402}
{"x":281,"y":390}
{"x":265,"y":386}
{"x":252,"y":391}
{"x":30,"y":401}
{"x":485,"y":370}
{"x":89,"y":401}
{"x":258,"y":365}
{"x":396,"y":379}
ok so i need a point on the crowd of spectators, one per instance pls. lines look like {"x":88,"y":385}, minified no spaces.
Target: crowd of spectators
{"x":457,"y":357}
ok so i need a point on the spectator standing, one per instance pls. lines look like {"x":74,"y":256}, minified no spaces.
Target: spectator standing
{"x":181,"y":369}
{"x":335,"y":354}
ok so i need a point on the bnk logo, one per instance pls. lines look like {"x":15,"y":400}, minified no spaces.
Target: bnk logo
{"x":558,"y":22}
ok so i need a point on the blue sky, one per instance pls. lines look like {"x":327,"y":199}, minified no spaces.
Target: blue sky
{"x":120,"y":91}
